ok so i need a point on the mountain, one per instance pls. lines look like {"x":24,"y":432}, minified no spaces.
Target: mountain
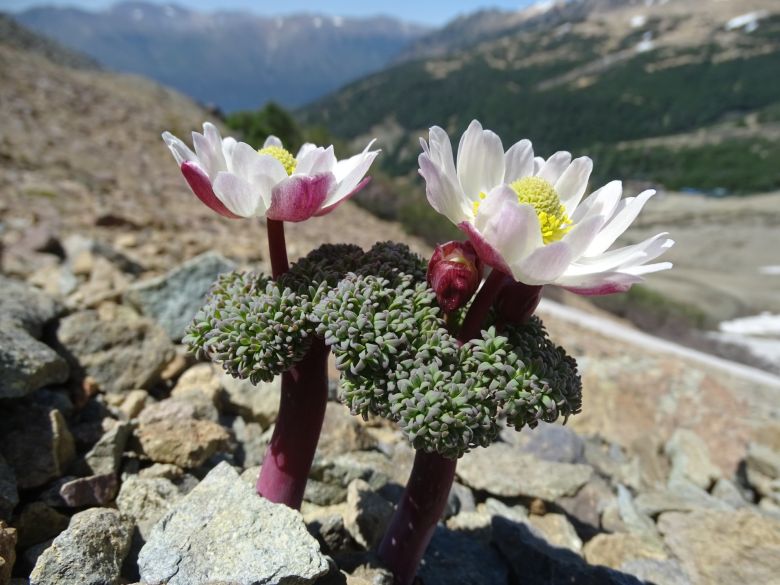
{"x":235,"y":60}
{"x":683,"y":93}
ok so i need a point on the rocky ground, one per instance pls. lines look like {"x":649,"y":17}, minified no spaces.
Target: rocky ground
{"x":122,"y":459}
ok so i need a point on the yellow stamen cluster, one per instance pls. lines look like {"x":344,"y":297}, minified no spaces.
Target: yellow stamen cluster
{"x":283,"y":156}
{"x":540,"y":194}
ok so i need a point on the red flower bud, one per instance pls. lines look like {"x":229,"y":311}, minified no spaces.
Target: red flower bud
{"x":454,"y":273}
{"x":517,"y":301}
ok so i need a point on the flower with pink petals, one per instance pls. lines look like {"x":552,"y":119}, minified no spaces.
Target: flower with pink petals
{"x":235,"y":180}
{"x":526,"y":215}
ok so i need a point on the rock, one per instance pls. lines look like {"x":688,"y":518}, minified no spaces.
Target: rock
{"x":557,"y":531}
{"x":221,"y":531}
{"x":633,"y":520}
{"x":173,"y":299}
{"x":115,"y":347}
{"x":498,"y":508}
{"x":38,"y":523}
{"x":724,"y":548}
{"x":146,"y":500}
{"x":133,"y":403}
{"x":657,"y":572}
{"x":324,"y":494}
{"x":764,"y":460}
{"x":690,"y":460}
{"x":252,"y":443}
{"x":36,"y":443}
{"x":95,"y":490}
{"x":89,"y":552}
{"x":187,"y":443}
{"x":653,"y":464}
{"x":26,"y":364}
{"x":534,"y":562}
{"x":367,"y":515}
{"x":460,"y":499}
{"x":7,"y":552}
{"x":342,"y":432}
{"x":253,"y":402}
{"x":331,"y":533}
{"x":587,"y":505}
{"x":9,"y":496}
{"x":503,"y":470}
{"x":200,"y":380}
{"x":105,"y":456}
{"x":455,"y":558}
{"x":551,"y":442}
{"x":685,"y":497}
{"x":179,"y":409}
{"x":726,"y":491}
{"x":613,"y":550}
{"x":163,"y":470}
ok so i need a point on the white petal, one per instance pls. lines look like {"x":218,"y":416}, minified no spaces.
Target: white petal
{"x":440,"y":151}
{"x":480,"y":161}
{"x":272,"y":141}
{"x":208,"y":147}
{"x":349,"y":173}
{"x":238,"y":195}
{"x":181,"y":152}
{"x":519,"y":161}
{"x":444,"y":194}
{"x":544,"y":264}
{"x":647,"y":268}
{"x":553,"y":168}
{"x":228,"y":146}
{"x":619,"y":223}
{"x":619,"y":258}
{"x":316,"y":160}
{"x":572,"y":183}
{"x":602,"y":202}
{"x":538,"y":164}
{"x":582,"y":234}
{"x":509,"y":227}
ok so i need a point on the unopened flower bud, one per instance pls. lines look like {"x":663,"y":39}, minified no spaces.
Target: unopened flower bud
{"x":454,"y":273}
{"x":517,"y":301}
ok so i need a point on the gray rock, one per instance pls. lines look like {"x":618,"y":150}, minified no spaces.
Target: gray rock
{"x":656,"y":571}
{"x":26,"y":364}
{"x":146,"y":500}
{"x":179,"y":409}
{"x":557,"y":531}
{"x":173,"y":299}
{"x":253,"y":402}
{"x":690,"y":459}
{"x":685,"y":497}
{"x":552,"y":442}
{"x":587,"y":505}
{"x":324,"y":494}
{"x":614,"y":550}
{"x":252,"y":442}
{"x":455,"y":558}
{"x":503,"y":470}
{"x":635,"y":521}
{"x":9,"y":495}
{"x":95,"y":490}
{"x":221,"y":531}
{"x":201,"y":380}
{"x":36,"y":443}
{"x":105,"y":456}
{"x":38,"y":523}
{"x":367,"y":514}
{"x":727,"y":491}
{"x":89,"y":552}
{"x":115,"y":347}
{"x":764,"y":460}
{"x":187,"y":443}
{"x":460,"y":499}
{"x":342,"y":432}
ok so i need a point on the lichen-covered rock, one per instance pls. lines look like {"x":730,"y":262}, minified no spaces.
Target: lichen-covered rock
{"x":106,"y":454}
{"x":38,"y":523}
{"x":187,"y":443}
{"x":367,"y":515}
{"x":253,"y":402}
{"x":7,"y":552}
{"x":221,"y":531}
{"x":89,"y":552}
{"x":146,"y":500}
{"x":690,"y":459}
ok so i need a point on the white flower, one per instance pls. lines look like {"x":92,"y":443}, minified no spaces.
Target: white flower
{"x":235,"y":180}
{"x":525,"y":215}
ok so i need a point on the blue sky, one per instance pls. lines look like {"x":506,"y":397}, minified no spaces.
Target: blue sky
{"x":428,"y":12}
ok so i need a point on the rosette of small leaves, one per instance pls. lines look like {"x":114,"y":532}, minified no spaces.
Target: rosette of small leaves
{"x":545,"y":384}
{"x":322,"y":269}
{"x":254,"y":333}
{"x":392,"y":260}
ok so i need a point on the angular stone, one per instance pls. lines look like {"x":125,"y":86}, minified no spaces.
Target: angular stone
{"x":252,"y":442}
{"x":89,"y":552}
{"x":221,"y":531}
{"x":690,"y":459}
{"x":764,"y":460}
{"x":551,"y":442}
{"x":587,"y":505}
{"x":7,"y":552}
{"x":146,"y":500}
{"x":38,"y":523}
{"x":115,"y":347}
{"x":200,"y":380}
{"x":726,"y":491}
{"x":9,"y":495}
{"x":94,"y":490}
{"x":253,"y":402}
{"x":367,"y":515}
{"x":613,"y":550}
{"x":657,"y":571}
{"x":557,"y":531}
{"x":724,"y":548}
{"x":133,"y":403}
{"x":633,"y":520}
{"x":685,"y":497}
{"x":503,"y":470}
{"x":455,"y":558}
{"x":342,"y":432}
{"x":460,"y":499}
{"x":179,"y":409}
{"x":36,"y":443}
{"x":187,"y":443}
{"x":105,"y":456}
{"x":173,"y":299}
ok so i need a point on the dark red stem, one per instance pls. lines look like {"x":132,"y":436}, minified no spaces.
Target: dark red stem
{"x":277,"y":247}
{"x":418,"y":512}
{"x":289,"y":456}
{"x":475,"y":318}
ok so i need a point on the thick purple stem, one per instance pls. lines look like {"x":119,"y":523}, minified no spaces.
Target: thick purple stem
{"x":475,"y":318}
{"x":289,"y":456}
{"x":418,"y":512}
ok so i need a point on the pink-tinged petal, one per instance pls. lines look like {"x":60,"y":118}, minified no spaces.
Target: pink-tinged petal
{"x":326,"y":209}
{"x":480,"y":161}
{"x":544,"y":264}
{"x":444,"y":195}
{"x":603,"y":202}
{"x":238,"y":195}
{"x":316,"y":160}
{"x":487,"y":253}
{"x":272,"y":141}
{"x":349,"y":173}
{"x":201,"y":186}
{"x":619,"y":223}
{"x":553,"y":168}
{"x":299,"y":197}
{"x":599,"y":284}
{"x":513,"y":229}
{"x":519,"y":161}
{"x":572,"y":183}
{"x":181,"y":152}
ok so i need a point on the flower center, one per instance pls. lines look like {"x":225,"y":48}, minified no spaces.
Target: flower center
{"x":541,"y":195}
{"x":283,"y":156}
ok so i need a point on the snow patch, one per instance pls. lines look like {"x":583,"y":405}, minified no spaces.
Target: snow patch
{"x":638,"y":21}
{"x":748,"y":21}
{"x":772,"y":270}
{"x":338,"y":21}
{"x":764,"y":324}
{"x":646,"y":44}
